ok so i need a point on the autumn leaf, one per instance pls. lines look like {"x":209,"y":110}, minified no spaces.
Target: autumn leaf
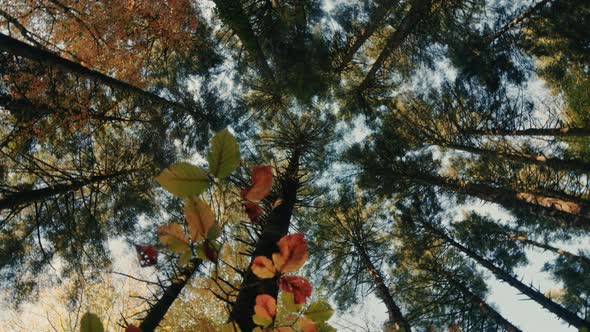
{"x":293,"y":253}
{"x":211,"y":251}
{"x":132,"y":328}
{"x":184,"y":180}
{"x":199,"y":218}
{"x":288,"y":302}
{"x":284,"y":329}
{"x":298,"y":286}
{"x":319,"y":311}
{"x":224,"y":156}
{"x":253,"y":211}
{"x":261,"y":184}
{"x":174,"y":237}
{"x":304,"y":324}
{"x":263,"y":267}
{"x":91,"y":323}
{"x":266,"y":307}
{"x":146,"y":254}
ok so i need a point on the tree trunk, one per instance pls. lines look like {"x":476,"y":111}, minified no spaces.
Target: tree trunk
{"x":524,"y":239}
{"x":540,"y":160}
{"x":377,"y":17}
{"x":396,"y":318}
{"x":45,"y":57}
{"x":233,"y":15}
{"x":570,"y":317}
{"x":517,"y":20}
{"x":159,"y":309}
{"x":477,"y":301}
{"x":417,"y":13}
{"x":566,"y":212}
{"x":16,"y":199}
{"x":275,"y":227}
{"x":555,"y":132}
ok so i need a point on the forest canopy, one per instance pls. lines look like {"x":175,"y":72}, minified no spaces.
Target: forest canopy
{"x":283,"y":165}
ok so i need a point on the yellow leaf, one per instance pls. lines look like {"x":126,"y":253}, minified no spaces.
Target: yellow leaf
{"x":199,"y":217}
{"x":224,"y":156}
{"x":174,"y":237}
{"x":184,"y":180}
{"x":263,"y":267}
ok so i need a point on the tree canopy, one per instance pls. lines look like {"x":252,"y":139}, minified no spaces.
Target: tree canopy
{"x":273,"y":165}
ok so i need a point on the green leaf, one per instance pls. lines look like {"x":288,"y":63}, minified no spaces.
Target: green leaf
{"x":214,"y":232}
{"x":583,"y":329}
{"x":90,"y":323}
{"x":261,"y":321}
{"x":288,"y":301}
{"x":200,"y":251}
{"x":185,"y":258}
{"x":224,"y":156}
{"x":184,"y":180}
{"x":257,"y":329}
{"x":319,"y":311}
{"x":324,"y":327}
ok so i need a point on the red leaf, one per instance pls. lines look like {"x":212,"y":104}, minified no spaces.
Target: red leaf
{"x":298,"y":286}
{"x":253,"y":211}
{"x":210,"y":252}
{"x":132,"y":328}
{"x":147,"y":255}
{"x":261,"y":184}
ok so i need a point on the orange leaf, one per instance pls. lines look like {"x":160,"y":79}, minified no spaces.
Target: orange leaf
{"x":266,"y":306}
{"x":253,"y":211}
{"x":263,"y":268}
{"x":173,"y":237}
{"x":306,"y":325}
{"x":261,"y":184}
{"x":199,"y":217}
{"x":284,"y":329}
{"x":293,"y":253}
{"x":298,"y":286}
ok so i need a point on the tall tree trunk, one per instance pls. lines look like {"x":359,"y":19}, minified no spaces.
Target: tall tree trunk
{"x":377,"y":17}
{"x":517,"y":20}
{"x":418,"y":11}
{"x":565,"y":212}
{"x":275,"y":227}
{"x":48,"y":58}
{"x":540,"y":160}
{"x":159,"y":309}
{"x":25,"y":111}
{"x":396,"y":318}
{"x":570,"y":317}
{"x":524,"y":239}
{"x":478,"y":302}
{"x":16,"y":199}
{"x":555,"y":132}
{"x":234,"y":16}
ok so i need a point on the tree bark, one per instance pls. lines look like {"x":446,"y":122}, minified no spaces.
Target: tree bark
{"x":16,"y":199}
{"x":377,"y":17}
{"x":417,"y":13}
{"x":275,"y":227}
{"x":517,"y":20}
{"x":396,"y":318}
{"x":524,"y":239}
{"x":48,"y":58}
{"x":477,"y":301}
{"x":567,"y":213}
{"x":159,"y":309}
{"x":555,"y":132}
{"x":568,"y":316}
{"x":540,"y":160}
